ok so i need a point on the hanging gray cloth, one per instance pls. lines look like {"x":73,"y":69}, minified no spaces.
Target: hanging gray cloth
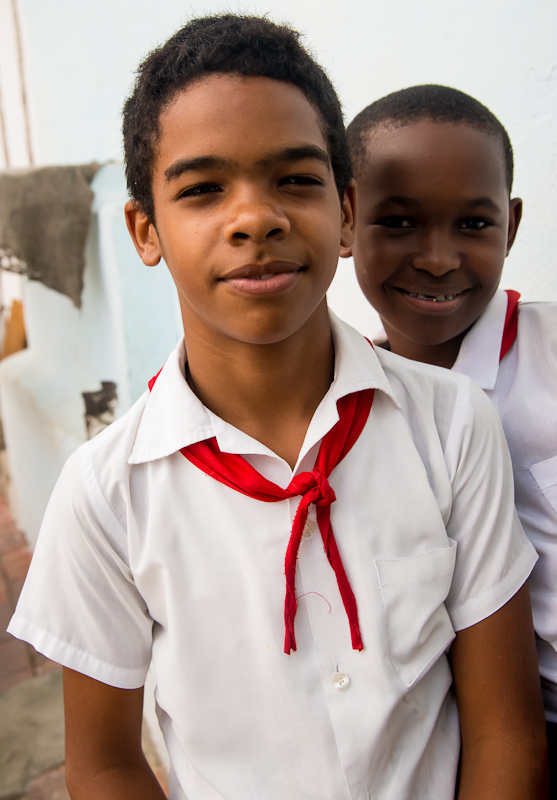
{"x":44,"y":220}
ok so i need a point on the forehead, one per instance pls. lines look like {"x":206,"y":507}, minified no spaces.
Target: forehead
{"x":427,"y":156}
{"x":237,"y":118}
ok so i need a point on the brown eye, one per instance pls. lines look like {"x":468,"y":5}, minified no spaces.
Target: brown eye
{"x":200,"y":189}
{"x":395,"y":222}
{"x":476,"y":224}
{"x":300,"y":180}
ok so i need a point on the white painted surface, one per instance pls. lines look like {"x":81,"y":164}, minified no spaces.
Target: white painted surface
{"x":127,"y":324}
{"x":80,"y":59}
{"x":14,"y":149}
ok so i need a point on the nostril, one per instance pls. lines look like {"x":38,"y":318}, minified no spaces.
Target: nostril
{"x":274,"y":232}
{"x":240,"y":235}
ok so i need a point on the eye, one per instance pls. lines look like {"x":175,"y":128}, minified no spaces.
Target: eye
{"x":200,"y":189}
{"x":475,"y":224}
{"x":396,"y":222}
{"x":300,"y":180}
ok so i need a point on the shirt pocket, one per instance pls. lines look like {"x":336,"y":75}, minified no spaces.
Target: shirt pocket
{"x":414,"y":590}
{"x":545,"y":475}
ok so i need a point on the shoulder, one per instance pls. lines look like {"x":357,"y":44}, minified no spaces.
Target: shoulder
{"x":445,"y":412}
{"x":541,"y":310}
{"x":95,"y":478}
{"x":115,"y":443}
{"x":448,"y":396}
{"x":538,"y":319}
{"x":532,"y":360}
{"x":417,"y":376}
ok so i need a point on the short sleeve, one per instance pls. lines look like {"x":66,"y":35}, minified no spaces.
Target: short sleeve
{"x":494,"y":557}
{"x":79,"y":605}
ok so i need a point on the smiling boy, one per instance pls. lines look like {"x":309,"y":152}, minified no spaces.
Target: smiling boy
{"x":436,"y":221}
{"x":427,"y":180}
{"x":291,"y":525}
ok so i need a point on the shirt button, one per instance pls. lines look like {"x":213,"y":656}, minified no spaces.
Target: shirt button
{"x":309,"y":528}
{"x":341,"y":681}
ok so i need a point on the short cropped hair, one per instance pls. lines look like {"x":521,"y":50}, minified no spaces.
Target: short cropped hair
{"x":430,"y":101}
{"x":248,"y":46}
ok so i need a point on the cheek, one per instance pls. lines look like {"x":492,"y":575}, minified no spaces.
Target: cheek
{"x":374,"y":261}
{"x":487,"y":263}
{"x":370,"y":285}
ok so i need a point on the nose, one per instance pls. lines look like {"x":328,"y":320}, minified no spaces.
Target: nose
{"x":256,"y":215}
{"x":437,"y":254}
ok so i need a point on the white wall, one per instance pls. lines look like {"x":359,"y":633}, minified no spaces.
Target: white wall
{"x":80,"y":57}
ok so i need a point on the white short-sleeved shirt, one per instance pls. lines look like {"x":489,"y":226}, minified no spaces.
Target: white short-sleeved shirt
{"x":143,"y":555}
{"x":523,"y":388}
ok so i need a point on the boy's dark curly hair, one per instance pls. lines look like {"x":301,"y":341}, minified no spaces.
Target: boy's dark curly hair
{"x":228,"y":44}
{"x":430,"y":101}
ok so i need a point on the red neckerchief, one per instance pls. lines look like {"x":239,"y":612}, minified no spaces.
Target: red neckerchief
{"x":235,"y":472}
{"x":510,"y":329}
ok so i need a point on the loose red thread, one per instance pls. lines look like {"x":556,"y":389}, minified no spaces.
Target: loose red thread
{"x":319,"y":595}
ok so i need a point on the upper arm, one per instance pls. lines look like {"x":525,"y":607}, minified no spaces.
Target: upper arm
{"x":104,"y":757}
{"x":495,"y":671}
{"x":499,"y":702}
{"x":103,"y":724}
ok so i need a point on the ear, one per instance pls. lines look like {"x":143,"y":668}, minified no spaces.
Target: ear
{"x":348,"y":220}
{"x":143,"y":233}
{"x":515,"y":215}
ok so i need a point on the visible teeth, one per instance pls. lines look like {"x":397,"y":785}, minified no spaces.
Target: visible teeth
{"x":263,"y":277}
{"x":442,"y":298}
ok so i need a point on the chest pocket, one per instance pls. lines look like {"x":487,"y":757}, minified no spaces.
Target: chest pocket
{"x":414,"y":590}
{"x":545,"y":475}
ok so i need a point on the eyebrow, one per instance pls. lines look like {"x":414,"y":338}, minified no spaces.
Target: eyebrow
{"x":300,"y":153}
{"x":182,"y":165}
{"x":485,"y":202}
{"x":398,"y":200}
{"x":284,"y":155}
{"x":409,"y":202}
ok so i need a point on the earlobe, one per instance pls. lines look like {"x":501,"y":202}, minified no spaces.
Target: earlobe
{"x":348,"y":220}
{"x":346,"y":252}
{"x":144,"y":234}
{"x":515,"y":215}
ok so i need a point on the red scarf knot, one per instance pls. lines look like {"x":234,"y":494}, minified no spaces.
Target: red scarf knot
{"x":314,"y":486}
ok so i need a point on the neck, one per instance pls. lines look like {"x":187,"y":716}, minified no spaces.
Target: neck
{"x":443,"y":354}
{"x":269,"y":391}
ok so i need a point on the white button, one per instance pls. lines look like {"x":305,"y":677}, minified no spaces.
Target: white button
{"x":309,"y":528}
{"x":341,"y":681}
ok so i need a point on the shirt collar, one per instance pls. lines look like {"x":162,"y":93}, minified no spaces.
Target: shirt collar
{"x":174,"y":417}
{"x":479,"y":352}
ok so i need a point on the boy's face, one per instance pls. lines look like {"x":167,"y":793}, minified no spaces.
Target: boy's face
{"x":248,"y":218}
{"x":434,"y":227}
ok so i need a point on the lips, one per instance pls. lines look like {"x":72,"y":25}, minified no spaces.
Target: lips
{"x":262,"y":271}
{"x":271,"y":278}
